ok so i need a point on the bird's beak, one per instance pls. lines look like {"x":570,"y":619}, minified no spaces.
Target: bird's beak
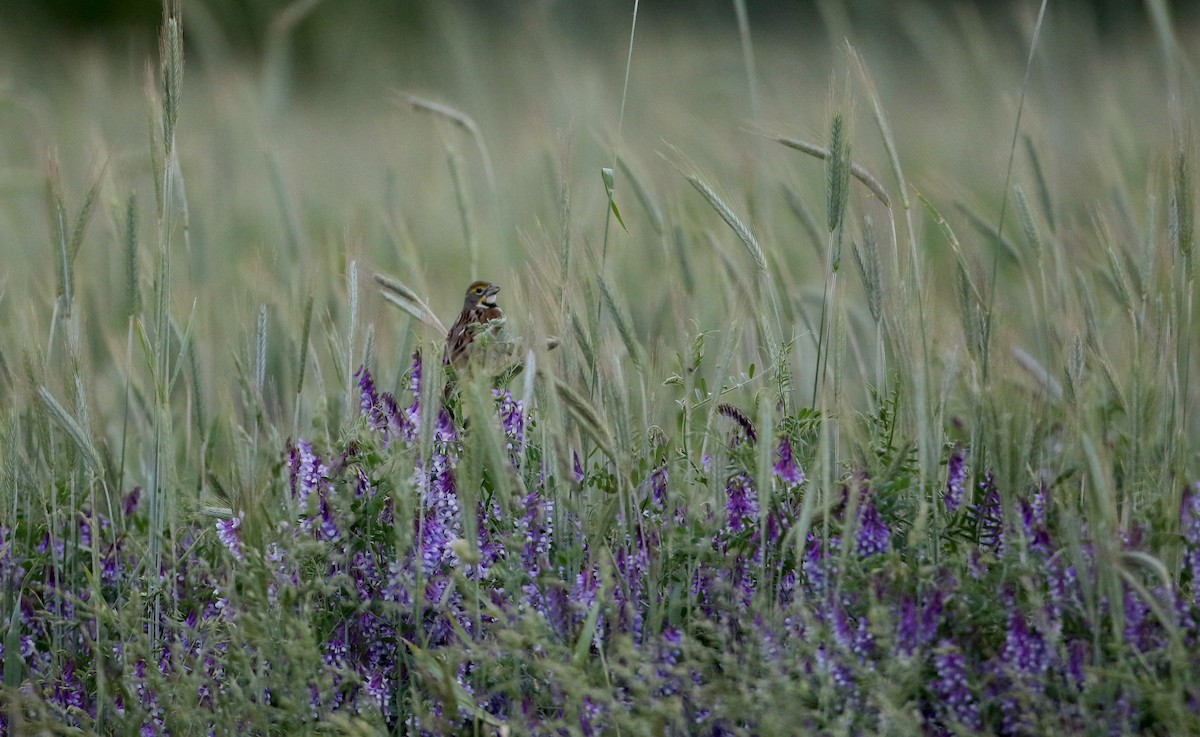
{"x":492,"y":291}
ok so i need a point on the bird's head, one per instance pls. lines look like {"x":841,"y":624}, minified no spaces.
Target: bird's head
{"x":481,"y":295}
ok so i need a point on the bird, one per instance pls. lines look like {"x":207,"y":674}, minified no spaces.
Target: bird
{"x":480,"y":313}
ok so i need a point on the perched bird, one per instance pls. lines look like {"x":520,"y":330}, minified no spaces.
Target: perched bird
{"x":479,"y":314}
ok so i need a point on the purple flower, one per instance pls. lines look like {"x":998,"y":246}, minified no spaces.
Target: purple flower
{"x":85,"y":532}
{"x":840,"y":673}
{"x":742,"y":504}
{"x":129,"y":504}
{"x":1189,"y":527}
{"x":741,"y":420}
{"x":577,"y":466}
{"x":873,"y":534}
{"x":329,"y":528}
{"x":227,"y":532}
{"x":445,"y":436}
{"x":537,"y":528}
{"x":1189,"y":515}
{"x":591,"y":717}
{"x":672,"y":645}
{"x":1077,"y":660}
{"x":512,"y":419}
{"x":1025,"y":652}
{"x":956,"y":480}
{"x":851,"y":637}
{"x":308,"y":472}
{"x":583,"y":597}
{"x":786,"y":467}
{"x":952,"y":687}
{"x":820,"y":566}
{"x":633,"y":566}
{"x":658,"y":487}
{"x":372,"y":407}
{"x":918,"y":627}
{"x":68,"y":692}
{"x":377,"y":690}
{"x":441,"y":521}
{"x":1137,"y":612}
{"x":414,"y":375}
{"x":383,"y":411}
{"x":989,"y":514}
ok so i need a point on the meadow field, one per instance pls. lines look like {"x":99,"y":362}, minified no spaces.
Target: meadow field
{"x":845,"y":387}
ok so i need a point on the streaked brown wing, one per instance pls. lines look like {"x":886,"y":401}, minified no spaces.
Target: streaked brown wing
{"x":459,"y":339}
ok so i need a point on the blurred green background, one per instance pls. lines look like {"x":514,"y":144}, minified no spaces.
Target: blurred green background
{"x":299,"y":158}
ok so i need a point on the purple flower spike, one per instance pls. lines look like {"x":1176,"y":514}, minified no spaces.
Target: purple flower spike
{"x":658,"y":487}
{"x":130,"y":504}
{"x":308,"y":471}
{"x":786,"y":467}
{"x":990,"y":514}
{"x":414,"y":375}
{"x":1189,"y":516}
{"x":873,"y":533}
{"x":742,"y":504}
{"x":953,"y":689}
{"x":742,"y":421}
{"x":591,"y":717}
{"x":227,"y":532}
{"x":372,"y":407}
{"x":918,"y":627}
{"x":577,"y":466}
{"x":329,"y":528}
{"x":1189,"y":527}
{"x":377,"y":690}
{"x":1024,"y":649}
{"x":512,"y":418}
{"x":956,"y":480}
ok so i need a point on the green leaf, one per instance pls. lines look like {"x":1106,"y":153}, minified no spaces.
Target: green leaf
{"x":606,"y":174}
{"x":584,"y":644}
{"x":12,"y":649}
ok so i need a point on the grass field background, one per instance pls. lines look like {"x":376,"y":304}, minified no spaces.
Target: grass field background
{"x":1001,"y":422}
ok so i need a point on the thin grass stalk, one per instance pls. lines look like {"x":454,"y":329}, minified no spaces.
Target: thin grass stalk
{"x":766,"y":482}
{"x":126,"y":404}
{"x":351,"y":330}
{"x":1043,"y":188}
{"x":132,"y":272}
{"x":910,"y":290}
{"x":806,"y":219}
{"x":287,"y":209}
{"x":837,"y":184}
{"x":260,"y":353}
{"x":463,"y":121}
{"x":564,"y":252}
{"x":632,"y":346}
{"x":463,"y":200}
{"x":1012,"y":153}
{"x":1182,"y":231}
{"x":870,"y":269}
{"x":747,"y":239}
{"x":302,"y":362}
{"x":645,"y":197}
{"x":610,"y":179}
{"x":857,"y":170}
{"x":1040,"y":299}
{"x":743,"y":22}
{"x":171,"y":51}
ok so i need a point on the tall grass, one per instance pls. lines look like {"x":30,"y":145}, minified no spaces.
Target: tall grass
{"x":949,"y":494}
